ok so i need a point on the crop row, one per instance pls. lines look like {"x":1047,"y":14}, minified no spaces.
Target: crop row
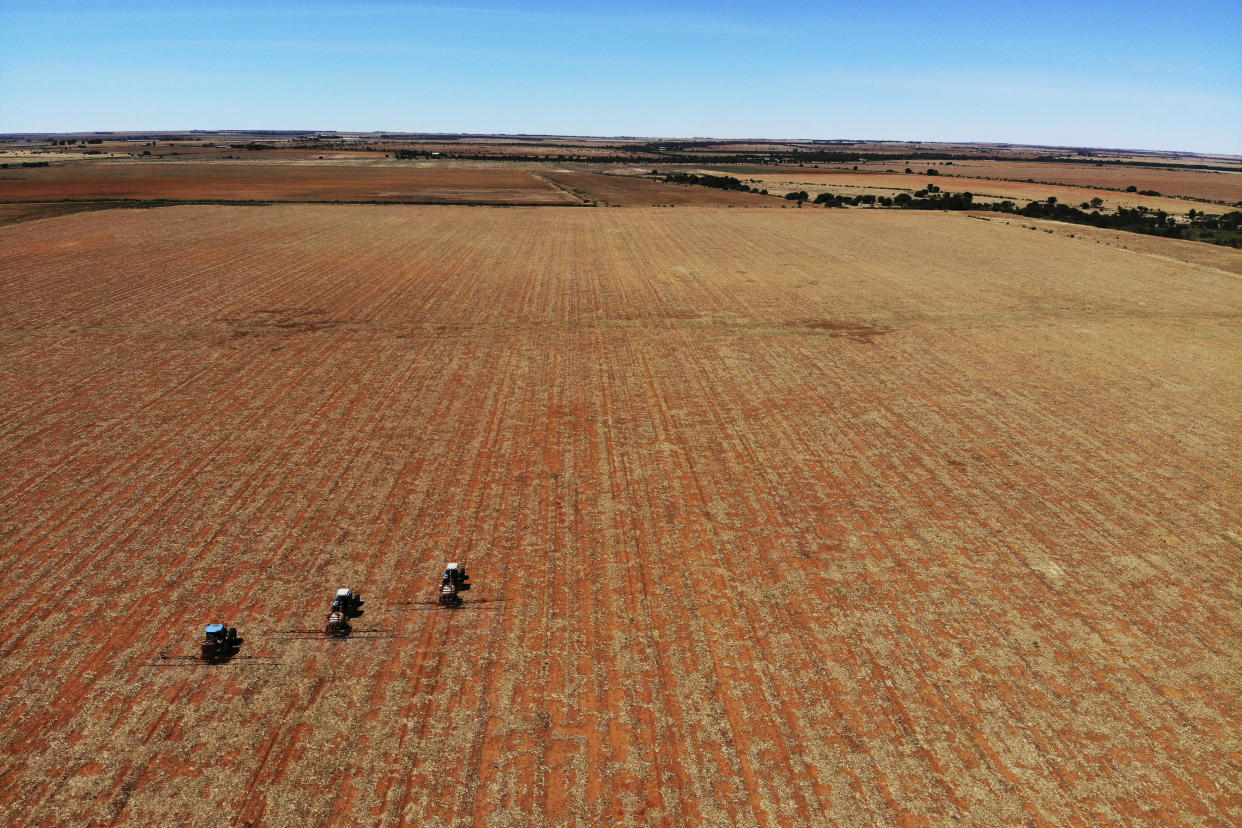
{"x":773,"y":518}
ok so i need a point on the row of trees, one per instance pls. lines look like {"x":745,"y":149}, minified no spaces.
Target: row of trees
{"x":720,"y":182}
{"x":1217,"y":229}
{"x":1224,"y":230}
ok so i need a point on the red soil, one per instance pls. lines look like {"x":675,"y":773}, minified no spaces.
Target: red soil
{"x":775,"y":517}
{"x":629,"y":191}
{"x":266,"y":181}
{"x":1215,"y":185}
{"x":1209,"y":184}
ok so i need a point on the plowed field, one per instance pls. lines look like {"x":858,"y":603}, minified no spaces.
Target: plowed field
{"x":631,"y":191}
{"x":774,"y":517}
{"x":890,"y":184}
{"x":276,"y":181}
{"x":1186,"y":181}
{"x":1210,"y":184}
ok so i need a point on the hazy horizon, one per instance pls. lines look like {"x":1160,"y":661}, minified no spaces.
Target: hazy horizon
{"x":205,"y":131}
{"x":1105,"y":75}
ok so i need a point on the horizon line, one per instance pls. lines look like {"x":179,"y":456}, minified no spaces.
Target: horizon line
{"x":628,"y":137}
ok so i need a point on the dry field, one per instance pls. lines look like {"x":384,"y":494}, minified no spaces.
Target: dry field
{"x":364,"y":149}
{"x":1217,"y":257}
{"x":1213,"y":185}
{"x":1210,"y":184}
{"x":630,"y":191}
{"x":425,"y":182}
{"x":781,"y":517}
{"x":31,"y":211}
{"x":790,"y":179}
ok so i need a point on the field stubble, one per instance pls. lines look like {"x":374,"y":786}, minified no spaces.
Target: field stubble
{"x":1220,"y":185}
{"x":273,"y":180}
{"x":774,"y":517}
{"x":851,"y":183}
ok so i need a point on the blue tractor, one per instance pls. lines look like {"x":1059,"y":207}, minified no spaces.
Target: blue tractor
{"x":220,"y":643}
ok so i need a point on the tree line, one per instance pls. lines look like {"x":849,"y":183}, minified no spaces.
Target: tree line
{"x":1216,"y":229}
{"x":720,"y":182}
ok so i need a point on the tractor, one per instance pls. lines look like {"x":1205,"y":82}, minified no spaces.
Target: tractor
{"x":220,"y":643}
{"x":456,"y":573}
{"x":453,"y":581}
{"x":347,"y":602}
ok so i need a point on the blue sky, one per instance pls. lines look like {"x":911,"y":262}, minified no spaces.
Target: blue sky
{"x":1135,"y":75}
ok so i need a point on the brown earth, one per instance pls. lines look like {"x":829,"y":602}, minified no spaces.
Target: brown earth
{"x":629,"y":191}
{"x":31,"y":211}
{"x":180,"y":153}
{"x":364,"y":149}
{"x":425,"y":182}
{"x":889,"y":184}
{"x":775,"y":517}
{"x":1210,"y":184}
{"x":1214,"y":185}
{"x":1215,"y":256}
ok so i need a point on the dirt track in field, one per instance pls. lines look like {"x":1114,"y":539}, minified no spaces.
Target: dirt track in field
{"x":783,"y":517}
{"x":307,"y":181}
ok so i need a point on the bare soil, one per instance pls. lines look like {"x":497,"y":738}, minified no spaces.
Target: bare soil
{"x":1178,"y":180}
{"x":1215,"y":185}
{"x":271,"y":181}
{"x":778,"y":517}
{"x":890,"y":184}
{"x":629,"y":191}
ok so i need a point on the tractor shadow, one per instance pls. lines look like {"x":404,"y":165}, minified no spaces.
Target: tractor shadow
{"x":228,"y":652}
{"x":459,"y":604}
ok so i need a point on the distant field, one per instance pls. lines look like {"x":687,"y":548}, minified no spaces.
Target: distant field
{"x":1210,"y":184}
{"x":775,"y":517}
{"x":1187,"y":181}
{"x":30,"y":211}
{"x":307,"y":181}
{"x":848,"y":182}
{"x":628,"y":191}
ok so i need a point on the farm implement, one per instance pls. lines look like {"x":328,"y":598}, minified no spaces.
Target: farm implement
{"x":453,"y":582}
{"x":221,"y":644}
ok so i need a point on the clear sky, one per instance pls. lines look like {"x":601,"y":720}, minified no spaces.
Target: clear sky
{"x":1144,"y":75}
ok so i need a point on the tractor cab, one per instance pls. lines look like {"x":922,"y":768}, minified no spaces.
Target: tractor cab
{"x":452,"y":582}
{"x":220,"y":643}
{"x":455,"y":574}
{"x":347,"y":602}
